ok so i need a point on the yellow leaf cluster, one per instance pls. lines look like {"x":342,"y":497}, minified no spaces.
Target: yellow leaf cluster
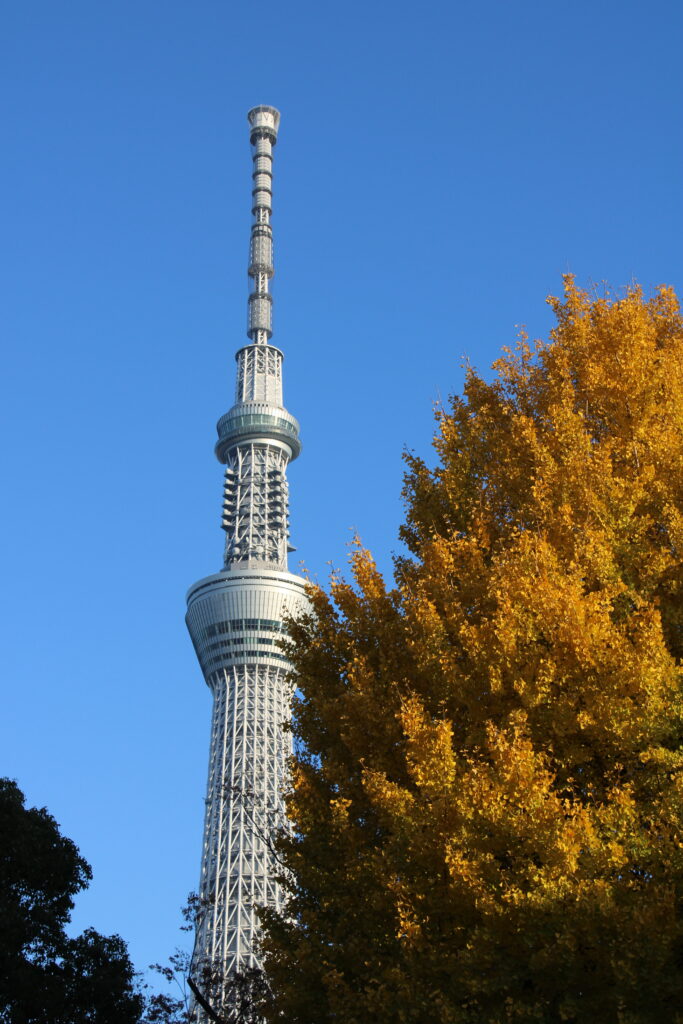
{"x":487,"y":797}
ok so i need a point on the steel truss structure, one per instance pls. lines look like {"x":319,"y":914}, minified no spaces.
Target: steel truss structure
{"x":236,"y":616}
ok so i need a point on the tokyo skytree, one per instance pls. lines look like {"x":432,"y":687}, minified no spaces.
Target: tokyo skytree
{"x":235,"y":618}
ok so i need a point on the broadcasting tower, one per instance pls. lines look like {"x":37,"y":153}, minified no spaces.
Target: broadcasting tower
{"x":235,"y":618}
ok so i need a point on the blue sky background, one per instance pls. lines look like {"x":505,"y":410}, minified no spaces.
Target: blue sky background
{"x":440,"y":166}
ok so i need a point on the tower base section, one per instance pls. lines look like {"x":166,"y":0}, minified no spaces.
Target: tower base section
{"x":236,"y":621}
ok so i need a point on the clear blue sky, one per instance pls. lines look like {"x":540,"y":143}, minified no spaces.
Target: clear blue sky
{"x":439,"y":167}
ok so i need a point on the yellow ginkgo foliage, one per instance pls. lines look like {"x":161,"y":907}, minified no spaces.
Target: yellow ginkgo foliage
{"x":487,"y":800}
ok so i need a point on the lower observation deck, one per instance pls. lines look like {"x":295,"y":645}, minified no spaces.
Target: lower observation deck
{"x":236,"y":617}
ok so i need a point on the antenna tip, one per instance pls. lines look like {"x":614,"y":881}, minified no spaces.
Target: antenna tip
{"x":265,"y":119}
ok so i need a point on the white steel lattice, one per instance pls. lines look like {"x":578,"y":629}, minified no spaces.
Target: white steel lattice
{"x":255,"y":505}
{"x":247,"y":765}
{"x":259,"y":375}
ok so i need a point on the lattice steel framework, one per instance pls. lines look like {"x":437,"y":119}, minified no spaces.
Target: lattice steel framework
{"x":235,"y":618}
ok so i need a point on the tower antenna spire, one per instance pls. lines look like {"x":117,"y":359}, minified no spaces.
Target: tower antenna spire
{"x":264,"y":122}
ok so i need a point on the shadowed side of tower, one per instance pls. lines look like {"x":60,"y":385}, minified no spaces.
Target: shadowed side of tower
{"x":235,"y":618}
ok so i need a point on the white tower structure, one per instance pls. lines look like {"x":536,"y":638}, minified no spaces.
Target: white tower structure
{"x":235,"y":617}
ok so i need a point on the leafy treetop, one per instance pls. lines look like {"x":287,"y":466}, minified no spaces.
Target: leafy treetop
{"x":488,"y":794}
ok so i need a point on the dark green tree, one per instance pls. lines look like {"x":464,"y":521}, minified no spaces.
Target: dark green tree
{"x":47,"y":977}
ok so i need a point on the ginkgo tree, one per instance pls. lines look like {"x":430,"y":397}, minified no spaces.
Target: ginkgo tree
{"x":487,"y":798}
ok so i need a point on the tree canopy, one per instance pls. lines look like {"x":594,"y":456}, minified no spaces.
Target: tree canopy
{"x":488,"y":790}
{"x":46,"y":976}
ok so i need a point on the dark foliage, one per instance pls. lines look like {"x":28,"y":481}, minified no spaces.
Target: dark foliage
{"x":46,"y":977}
{"x":237,"y":999}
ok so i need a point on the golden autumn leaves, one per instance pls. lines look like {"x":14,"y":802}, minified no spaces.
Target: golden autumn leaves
{"x":487,"y":803}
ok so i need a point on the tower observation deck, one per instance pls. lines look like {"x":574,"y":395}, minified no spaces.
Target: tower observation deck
{"x":235,"y":619}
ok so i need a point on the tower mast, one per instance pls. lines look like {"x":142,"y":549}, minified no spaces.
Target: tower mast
{"x":235,"y":618}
